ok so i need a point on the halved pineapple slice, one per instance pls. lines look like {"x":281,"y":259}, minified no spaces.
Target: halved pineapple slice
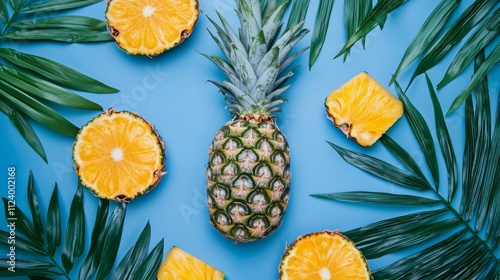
{"x":119,"y":155}
{"x":180,"y":265}
{"x":149,"y":27}
{"x":363,"y":109}
{"x":323,"y":256}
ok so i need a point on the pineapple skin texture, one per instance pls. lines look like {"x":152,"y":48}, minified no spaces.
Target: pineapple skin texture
{"x":248,"y":179}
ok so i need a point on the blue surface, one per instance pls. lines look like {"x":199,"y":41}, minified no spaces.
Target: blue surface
{"x":171,"y":91}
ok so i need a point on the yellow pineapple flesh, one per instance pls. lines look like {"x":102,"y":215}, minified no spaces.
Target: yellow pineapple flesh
{"x":363,"y":109}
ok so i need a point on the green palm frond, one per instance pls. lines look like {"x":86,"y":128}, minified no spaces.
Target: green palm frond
{"x":451,"y":242}
{"x":54,"y":252}
{"x":433,"y":41}
{"x":30,"y":83}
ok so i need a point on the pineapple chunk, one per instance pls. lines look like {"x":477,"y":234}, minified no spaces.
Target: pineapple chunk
{"x":180,"y":265}
{"x":363,"y":109}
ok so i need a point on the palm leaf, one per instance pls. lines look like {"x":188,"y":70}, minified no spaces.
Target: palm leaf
{"x":37,"y":110}
{"x":426,"y":34}
{"x":381,"y":169}
{"x":403,"y":156}
{"x":34,"y":209}
{"x":422,"y":133}
{"x":4,"y":14}
{"x":298,"y":13}
{"x":355,"y":11}
{"x":379,"y":198}
{"x":91,"y":262}
{"x":148,"y":269}
{"x":486,"y":66}
{"x":59,"y":35}
{"x":445,"y":244}
{"x":24,"y":128}
{"x":53,"y":223}
{"x":75,"y":232}
{"x":73,"y":22}
{"x":43,"y":89}
{"x":57,"y":5}
{"x":55,"y":72}
{"x":462,"y":26}
{"x":110,"y":241}
{"x":131,"y":261}
{"x":104,"y":243}
{"x":445,"y":142}
{"x":478,"y":150}
{"x":320,"y":28}
{"x":35,"y":76}
{"x":478,"y":40}
{"x":376,"y":17}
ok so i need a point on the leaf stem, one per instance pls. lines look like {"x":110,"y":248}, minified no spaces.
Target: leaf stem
{"x":12,"y":18}
{"x":59,"y":267}
{"x":467,"y":225}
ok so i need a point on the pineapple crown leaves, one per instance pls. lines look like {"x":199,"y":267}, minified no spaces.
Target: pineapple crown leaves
{"x":46,"y":242}
{"x":257,"y":57}
{"x":462,"y":242}
{"x":29,"y":83}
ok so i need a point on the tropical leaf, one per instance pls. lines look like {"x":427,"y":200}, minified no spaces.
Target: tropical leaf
{"x":379,"y":198}
{"x":43,"y":89}
{"x":446,"y":243}
{"x":75,"y":231}
{"x":478,"y":40}
{"x":444,"y":140}
{"x":422,"y":133}
{"x":298,"y":13}
{"x":34,"y":209}
{"x":381,"y":169}
{"x":486,"y":66}
{"x":461,"y":27}
{"x":402,"y":155}
{"x":104,"y":242}
{"x":53,"y":223}
{"x":91,"y":262}
{"x":57,"y":5}
{"x":24,"y":128}
{"x":31,"y":76}
{"x":110,"y":241}
{"x":320,"y":27}
{"x":426,"y":34}
{"x":376,"y":17}
{"x":132,"y":260}
{"x":4,"y":14}
{"x":74,"y":22}
{"x":355,"y":12}
{"x":59,"y":35}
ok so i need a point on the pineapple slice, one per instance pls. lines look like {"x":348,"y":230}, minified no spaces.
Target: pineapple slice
{"x":180,"y":265}
{"x":150,"y":27}
{"x":323,"y":256}
{"x":363,"y":109}
{"x":119,"y":155}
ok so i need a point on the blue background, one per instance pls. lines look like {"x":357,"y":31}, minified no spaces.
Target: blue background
{"x":171,"y":91}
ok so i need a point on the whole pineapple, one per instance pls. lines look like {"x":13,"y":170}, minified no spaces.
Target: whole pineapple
{"x":248,"y":172}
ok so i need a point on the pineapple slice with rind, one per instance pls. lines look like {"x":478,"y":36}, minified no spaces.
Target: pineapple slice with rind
{"x":363,"y":109}
{"x":323,"y":256}
{"x":180,"y":265}
{"x":150,"y":27}
{"x":118,"y":155}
